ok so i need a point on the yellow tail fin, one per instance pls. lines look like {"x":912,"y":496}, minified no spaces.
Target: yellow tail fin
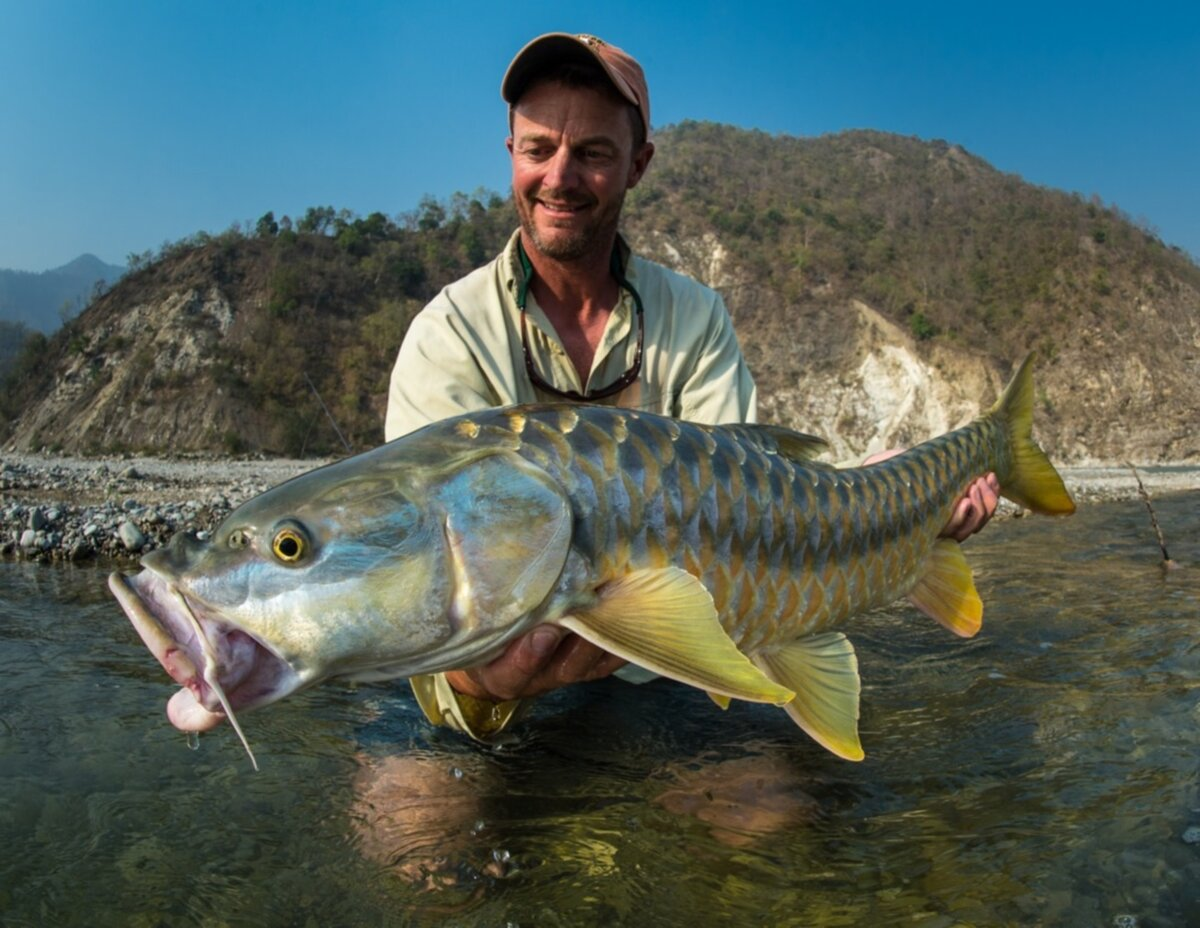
{"x":1033,"y":481}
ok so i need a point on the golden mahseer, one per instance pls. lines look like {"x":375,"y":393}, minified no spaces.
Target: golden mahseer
{"x":723,"y":557}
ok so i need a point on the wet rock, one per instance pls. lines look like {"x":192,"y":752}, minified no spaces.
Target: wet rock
{"x":37,"y":519}
{"x":28,"y":539}
{"x":1191,"y":835}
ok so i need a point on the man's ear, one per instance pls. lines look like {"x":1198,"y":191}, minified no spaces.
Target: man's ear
{"x":637,"y":167}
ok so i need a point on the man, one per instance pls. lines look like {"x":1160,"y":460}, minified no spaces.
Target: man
{"x":567,"y":312}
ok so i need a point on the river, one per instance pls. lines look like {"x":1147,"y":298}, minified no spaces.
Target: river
{"x":1043,"y":773}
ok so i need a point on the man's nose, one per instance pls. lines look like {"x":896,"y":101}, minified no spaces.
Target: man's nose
{"x":561,"y":172}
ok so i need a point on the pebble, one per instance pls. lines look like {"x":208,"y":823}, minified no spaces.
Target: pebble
{"x":1191,"y":835}
{"x":40,"y":519}
{"x":131,"y":537}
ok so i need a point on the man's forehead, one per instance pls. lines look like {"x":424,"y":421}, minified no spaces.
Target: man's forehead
{"x":581,"y":111}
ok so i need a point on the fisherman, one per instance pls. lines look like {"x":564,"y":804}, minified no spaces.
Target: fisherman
{"x":568,"y":313}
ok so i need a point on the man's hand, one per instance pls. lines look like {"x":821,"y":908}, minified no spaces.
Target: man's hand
{"x":972,"y":512}
{"x":539,"y":661}
{"x":974,"y":509}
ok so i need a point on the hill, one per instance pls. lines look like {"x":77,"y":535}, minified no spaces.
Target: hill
{"x":42,"y":301}
{"x":883,"y":288}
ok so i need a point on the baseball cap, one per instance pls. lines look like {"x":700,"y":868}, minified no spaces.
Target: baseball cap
{"x":624,"y":72}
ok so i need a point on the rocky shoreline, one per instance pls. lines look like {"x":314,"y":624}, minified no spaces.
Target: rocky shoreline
{"x":71,"y":509}
{"x":79,"y":509}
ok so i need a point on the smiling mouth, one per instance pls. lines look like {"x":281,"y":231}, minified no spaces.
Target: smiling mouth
{"x":563,"y":208}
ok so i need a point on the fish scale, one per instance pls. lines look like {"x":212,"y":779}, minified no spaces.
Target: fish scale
{"x":730,"y":523}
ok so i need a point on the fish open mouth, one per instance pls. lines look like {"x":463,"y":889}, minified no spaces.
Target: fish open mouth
{"x":219,"y":667}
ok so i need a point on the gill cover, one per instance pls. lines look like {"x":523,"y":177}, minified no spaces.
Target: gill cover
{"x":508,"y":529}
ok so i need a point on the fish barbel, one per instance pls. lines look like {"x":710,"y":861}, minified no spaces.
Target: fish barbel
{"x":720,"y":556}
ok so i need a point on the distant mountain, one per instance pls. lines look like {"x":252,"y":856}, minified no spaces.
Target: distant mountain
{"x":41,"y":301}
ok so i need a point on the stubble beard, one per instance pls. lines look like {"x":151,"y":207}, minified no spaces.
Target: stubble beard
{"x":571,"y":246}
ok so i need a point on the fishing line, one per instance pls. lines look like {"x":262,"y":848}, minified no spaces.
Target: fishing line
{"x":210,"y":674}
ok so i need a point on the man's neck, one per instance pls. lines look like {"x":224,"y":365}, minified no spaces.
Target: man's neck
{"x":577,"y":297}
{"x":580,"y":288}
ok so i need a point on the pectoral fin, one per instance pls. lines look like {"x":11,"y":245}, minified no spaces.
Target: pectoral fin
{"x":946,"y":591}
{"x":664,"y":620}
{"x":823,"y":670}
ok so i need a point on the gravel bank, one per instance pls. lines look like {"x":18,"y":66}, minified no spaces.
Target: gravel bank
{"x":72,"y":509}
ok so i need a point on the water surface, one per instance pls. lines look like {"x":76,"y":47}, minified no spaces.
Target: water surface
{"x":1044,"y":773}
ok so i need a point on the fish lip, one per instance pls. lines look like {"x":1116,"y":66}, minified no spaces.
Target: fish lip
{"x":154,"y":634}
{"x":151,"y":602}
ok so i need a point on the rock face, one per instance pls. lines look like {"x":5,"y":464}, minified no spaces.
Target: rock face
{"x":1116,"y":389}
{"x":122,"y":387}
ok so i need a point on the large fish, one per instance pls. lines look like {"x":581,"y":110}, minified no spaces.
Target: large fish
{"x":720,"y":556}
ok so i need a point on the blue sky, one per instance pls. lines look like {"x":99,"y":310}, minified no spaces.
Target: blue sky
{"x":126,"y":125}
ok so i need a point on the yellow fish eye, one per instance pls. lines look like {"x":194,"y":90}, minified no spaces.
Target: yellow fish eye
{"x":289,"y":545}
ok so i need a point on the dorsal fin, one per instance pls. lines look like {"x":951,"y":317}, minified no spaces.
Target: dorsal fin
{"x":775,"y":439}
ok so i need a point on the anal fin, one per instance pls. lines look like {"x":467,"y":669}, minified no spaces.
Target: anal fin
{"x":946,"y":591}
{"x":823,"y":671}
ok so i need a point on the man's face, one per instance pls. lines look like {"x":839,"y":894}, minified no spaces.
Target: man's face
{"x":572,"y":162}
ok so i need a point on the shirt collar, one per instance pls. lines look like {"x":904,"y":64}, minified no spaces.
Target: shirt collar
{"x":511,"y":261}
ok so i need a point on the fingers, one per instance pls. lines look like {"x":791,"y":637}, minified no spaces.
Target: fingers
{"x":541,"y":660}
{"x":881,"y":456}
{"x":974,"y":510}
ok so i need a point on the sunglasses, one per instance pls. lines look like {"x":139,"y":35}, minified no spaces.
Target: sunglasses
{"x":629,"y":377}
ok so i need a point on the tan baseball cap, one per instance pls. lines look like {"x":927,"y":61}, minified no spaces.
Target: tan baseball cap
{"x":624,"y":72}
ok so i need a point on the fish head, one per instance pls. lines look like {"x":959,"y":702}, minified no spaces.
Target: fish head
{"x":358,"y":570}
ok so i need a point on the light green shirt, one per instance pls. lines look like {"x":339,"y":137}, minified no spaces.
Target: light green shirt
{"x":463,"y":353}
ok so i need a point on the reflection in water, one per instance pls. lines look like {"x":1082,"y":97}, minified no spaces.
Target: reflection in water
{"x":745,"y":801}
{"x":1044,"y":773}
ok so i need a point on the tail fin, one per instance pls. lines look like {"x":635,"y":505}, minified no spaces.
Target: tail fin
{"x":1033,"y":482}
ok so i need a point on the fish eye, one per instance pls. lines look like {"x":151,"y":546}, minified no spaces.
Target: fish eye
{"x":289,"y":545}
{"x":238,"y":538}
